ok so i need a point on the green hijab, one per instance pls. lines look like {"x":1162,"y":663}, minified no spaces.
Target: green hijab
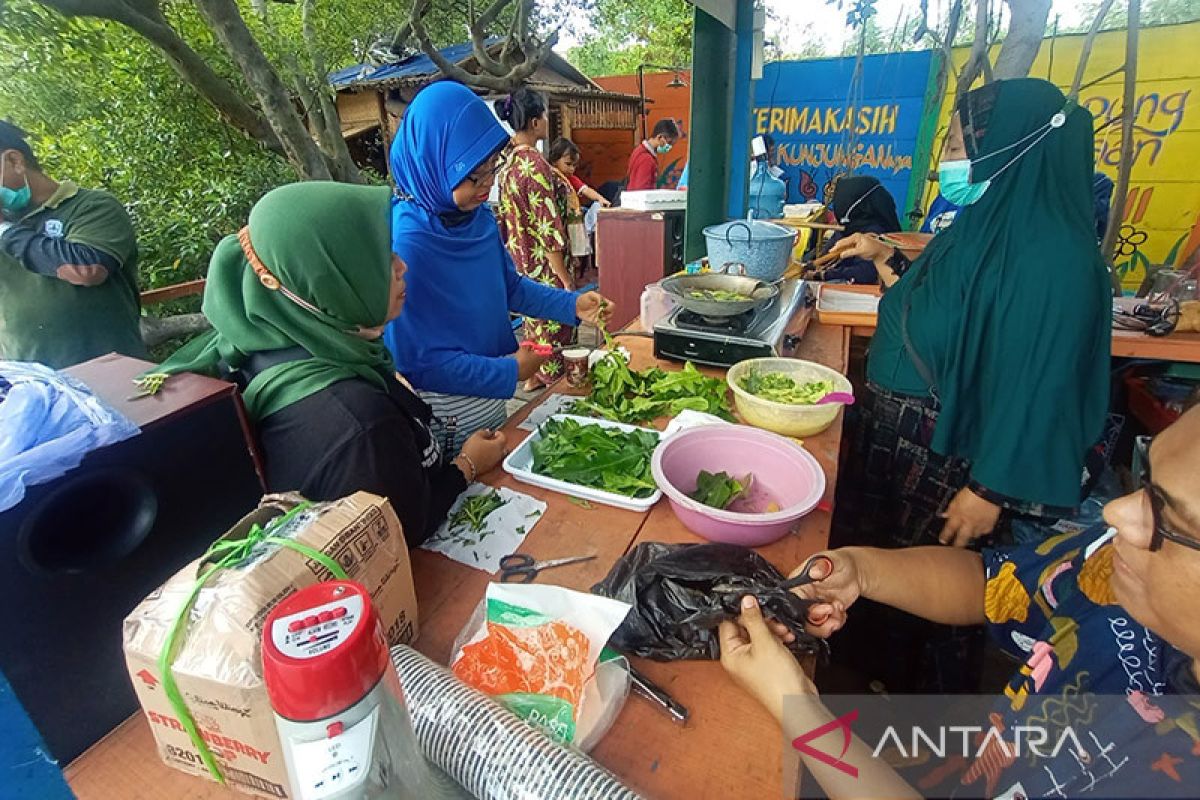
{"x":1010,"y":307}
{"x":329,"y":244}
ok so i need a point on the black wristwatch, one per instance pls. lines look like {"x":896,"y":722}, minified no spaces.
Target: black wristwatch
{"x":898,"y":262}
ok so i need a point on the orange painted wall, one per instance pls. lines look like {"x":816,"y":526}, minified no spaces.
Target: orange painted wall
{"x":662,"y":102}
{"x":603,"y":154}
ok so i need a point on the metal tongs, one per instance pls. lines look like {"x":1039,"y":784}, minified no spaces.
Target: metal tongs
{"x":657,"y":695}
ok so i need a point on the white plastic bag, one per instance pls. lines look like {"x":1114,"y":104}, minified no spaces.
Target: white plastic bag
{"x":48,"y":422}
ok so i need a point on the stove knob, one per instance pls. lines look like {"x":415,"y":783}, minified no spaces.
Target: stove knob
{"x":790,"y":341}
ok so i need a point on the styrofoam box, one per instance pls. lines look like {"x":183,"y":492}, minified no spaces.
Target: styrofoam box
{"x":519,"y":464}
{"x":654,"y":200}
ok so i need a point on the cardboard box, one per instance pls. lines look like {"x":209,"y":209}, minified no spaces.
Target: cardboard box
{"x":218,"y":666}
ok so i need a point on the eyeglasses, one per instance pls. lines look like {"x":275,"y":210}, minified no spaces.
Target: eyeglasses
{"x":1157,"y":502}
{"x":486,"y":173}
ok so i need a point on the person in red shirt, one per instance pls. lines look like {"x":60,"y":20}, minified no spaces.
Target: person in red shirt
{"x":643,"y":161}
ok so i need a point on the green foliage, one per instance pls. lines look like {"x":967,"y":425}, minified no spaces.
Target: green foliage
{"x":622,"y":395}
{"x":779,"y":387}
{"x":104,"y":109}
{"x":719,"y":490}
{"x":600,"y":458}
{"x":1153,"y":12}
{"x":632,"y":32}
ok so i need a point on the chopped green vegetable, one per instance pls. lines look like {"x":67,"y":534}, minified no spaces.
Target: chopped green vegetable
{"x":579,"y":501}
{"x":718,"y":295}
{"x":719,"y":490}
{"x":594,"y":456}
{"x":473,"y":511}
{"x":620,"y":394}
{"x":781,"y":388}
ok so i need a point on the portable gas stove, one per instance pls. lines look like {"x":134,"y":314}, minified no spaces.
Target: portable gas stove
{"x":762,"y":332}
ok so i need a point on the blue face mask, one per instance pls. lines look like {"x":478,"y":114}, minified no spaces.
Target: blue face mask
{"x":663,"y":148}
{"x":954,"y":180}
{"x":13,"y":201}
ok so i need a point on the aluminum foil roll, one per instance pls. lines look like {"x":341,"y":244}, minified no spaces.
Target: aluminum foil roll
{"x":487,"y":749}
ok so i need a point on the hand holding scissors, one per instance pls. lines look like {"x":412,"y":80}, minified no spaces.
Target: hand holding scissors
{"x":522,"y":568}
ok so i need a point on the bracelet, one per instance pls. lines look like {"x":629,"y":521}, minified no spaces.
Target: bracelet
{"x":471,"y":464}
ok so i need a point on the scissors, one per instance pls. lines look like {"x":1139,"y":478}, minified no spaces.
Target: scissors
{"x":542,"y":349}
{"x":806,"y":575}
{"x":519,"y":567}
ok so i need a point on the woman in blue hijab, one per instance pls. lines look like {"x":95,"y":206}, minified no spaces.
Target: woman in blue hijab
{"x":454,"y":342}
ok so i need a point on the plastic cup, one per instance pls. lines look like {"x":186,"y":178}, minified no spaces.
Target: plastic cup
{"x":575,"y":362}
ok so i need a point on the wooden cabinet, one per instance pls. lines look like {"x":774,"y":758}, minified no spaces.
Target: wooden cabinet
{"x":634,"y":248}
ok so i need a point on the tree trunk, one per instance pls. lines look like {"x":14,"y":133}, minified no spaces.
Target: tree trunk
{"x":149,"y":22}
{"x":1128,"y":114}
{"x":226,"y":22}
{"x":1026,"y":27}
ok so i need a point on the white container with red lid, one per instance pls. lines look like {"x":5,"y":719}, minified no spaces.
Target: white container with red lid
{"x":339,"y":707}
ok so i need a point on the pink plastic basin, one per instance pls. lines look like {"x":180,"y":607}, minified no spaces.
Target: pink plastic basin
{"x":784,"y":474}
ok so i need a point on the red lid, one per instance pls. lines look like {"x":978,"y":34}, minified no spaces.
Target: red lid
{"x":323,"y":650}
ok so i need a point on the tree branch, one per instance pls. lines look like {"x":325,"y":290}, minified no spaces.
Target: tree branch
{"x":329,"y":125}
{"x":145,"y":18}
{"x":478,"y":28}
{"x":513,"y":78}
{"x":226,"y":22}
{"x":974,"y":66}
{"x":156,"y":330}
{"x":1086,"y":53}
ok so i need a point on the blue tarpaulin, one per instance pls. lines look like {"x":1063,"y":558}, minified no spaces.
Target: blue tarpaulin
{"x":415,"y":66}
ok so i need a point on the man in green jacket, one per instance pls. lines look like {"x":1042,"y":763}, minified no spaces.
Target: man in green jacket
{"x":68,"y":266}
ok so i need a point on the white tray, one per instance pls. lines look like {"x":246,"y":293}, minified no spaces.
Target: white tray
{"x":519,"y":464}
{"x":654,"y":200}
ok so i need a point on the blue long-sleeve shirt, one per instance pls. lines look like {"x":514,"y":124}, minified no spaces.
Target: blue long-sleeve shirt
{"x":455,"y":335}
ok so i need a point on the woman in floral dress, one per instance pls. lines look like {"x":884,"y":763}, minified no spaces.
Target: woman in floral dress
{"x":532,"y":217}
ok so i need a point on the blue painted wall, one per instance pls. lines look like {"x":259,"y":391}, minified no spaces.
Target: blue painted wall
{"x":803,"y":104}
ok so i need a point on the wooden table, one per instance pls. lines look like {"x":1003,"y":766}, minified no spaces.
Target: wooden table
{"x":1176,"y":347}
{"x":729,"y":748}
{"x":1125,"y":344}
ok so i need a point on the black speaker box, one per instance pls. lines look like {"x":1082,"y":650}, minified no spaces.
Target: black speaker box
{"x":78,"y":553}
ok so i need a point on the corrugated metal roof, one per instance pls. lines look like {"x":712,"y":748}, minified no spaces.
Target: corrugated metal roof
{"x":410,"y":69}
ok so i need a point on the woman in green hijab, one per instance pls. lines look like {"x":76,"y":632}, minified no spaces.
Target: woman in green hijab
{"x":298,"y":300}
{"x":988,"y":373}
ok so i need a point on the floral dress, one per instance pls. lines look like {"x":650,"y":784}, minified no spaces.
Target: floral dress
{"x":532,"y":217}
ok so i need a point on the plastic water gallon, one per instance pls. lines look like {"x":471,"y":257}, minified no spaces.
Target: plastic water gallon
{"x":767,"y":193}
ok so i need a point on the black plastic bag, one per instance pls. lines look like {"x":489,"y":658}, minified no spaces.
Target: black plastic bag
{"x":680,"y":592}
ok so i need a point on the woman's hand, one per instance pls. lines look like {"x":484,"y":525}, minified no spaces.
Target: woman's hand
{"x":968,"y":517}
{"x":593,"y":307}
{"x":484,"y":449}
{"x":857,"y":245}
{"x":833,"y":592}
{"x":759,"y":662}
{"x":528,"y":362}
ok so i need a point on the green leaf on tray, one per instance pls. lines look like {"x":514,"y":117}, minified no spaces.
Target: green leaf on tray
{"x":781,"y":388}
{"x":623,"y":395}
{"x":596,"y":457}
{"x":719,"y":490}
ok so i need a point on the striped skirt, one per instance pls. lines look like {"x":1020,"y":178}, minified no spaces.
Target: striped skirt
{"x":456,"y":417}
